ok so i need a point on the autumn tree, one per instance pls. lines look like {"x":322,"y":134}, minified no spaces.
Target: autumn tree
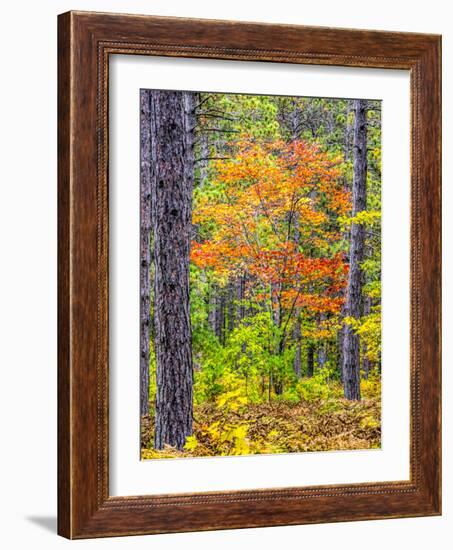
{"x":171,"y":139}
{"x":248,"y":229}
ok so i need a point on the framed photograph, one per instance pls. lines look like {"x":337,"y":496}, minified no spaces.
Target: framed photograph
{"x":249,"y":275}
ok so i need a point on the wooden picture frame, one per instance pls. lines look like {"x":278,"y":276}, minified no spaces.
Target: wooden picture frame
{"x":85,"y":42}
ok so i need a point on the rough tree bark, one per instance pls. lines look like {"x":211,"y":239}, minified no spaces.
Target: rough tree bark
{"x":145,"y":256}
{"x":351,"y":347}
{"x":346,"y":152}
{"x":172,"y":158}
{"x":366,"y":363}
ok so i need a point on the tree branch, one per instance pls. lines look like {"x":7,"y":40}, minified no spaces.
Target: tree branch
{"x":201,"y":102}
{"x":216,"y":130}
{"x":211,"y":158}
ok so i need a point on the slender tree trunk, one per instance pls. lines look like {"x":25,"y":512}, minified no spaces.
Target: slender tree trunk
{"x":295,"y":120}
{"x":297,"y":334}
{"x":145,"y":256}
{"x":298,"y":354}
{"x":322,"y":355}
{"x":340,"y":342}
{"x":346,"y":236}
{"x":276,"y":289}
{"x":230,"y":305}
{"x":366,"y":363}
{"x":275,"y":304}
{"x":220,"y":316}
{"x":204,"y":154}
{"x":212,"y":307}
{"x":322,"y":346}
{"x":310,"y":360}
{"x":347,"y":132}
{"x":171,"y":188}
{"x":351,"y":351}
{"x":217,"y":312}
{"x":240,"y":295}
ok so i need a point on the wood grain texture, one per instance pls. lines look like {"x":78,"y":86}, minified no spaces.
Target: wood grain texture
{"x":64,"y":374}
{"x":85,"y":42}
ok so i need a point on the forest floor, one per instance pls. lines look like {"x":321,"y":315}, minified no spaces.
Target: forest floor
{"x":276,"y":427}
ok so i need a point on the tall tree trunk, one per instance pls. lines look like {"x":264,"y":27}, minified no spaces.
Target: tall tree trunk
{"x":366,"y":363}
{"x":310,"y":360}
{"x":346,"y":235}
{"x":322,"y":355}
{"x":171,"y":188}
{"x":295,"y":120}
{"x":240,"y":295}
{"x":347,"y":132}
{"x":145,"y":256}
{"x":220,"y":316}
{"x":212,"y":307}
{"x":275,"y":301}
{"x":322,"y":346}
{"x":217,"y":312}
{"x":231,"y":305}
{"x":351,"y":350}
{"x":298,"y":354}
{"x":340,"y":341}
{"x":297,"y":333}
{"x":204,"y":154}
{"x":276,"y":289}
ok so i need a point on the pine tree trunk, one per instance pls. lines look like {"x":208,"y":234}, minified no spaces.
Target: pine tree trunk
{"x":347,"y":132}
{"x":322,"y":346}
{"x":230,"y":305}
{"x":145,"y":256}
{"x":240,"y":295}
{"x":340,"y":343}
{"x":297,"y":334}
{"x":351,"y":350}
{"x":171,"y":188}
{"x":298,"y":354}
{"x":322,"y":355}
{"x":295,"y":120}
{"x":220,"y":316}
{"x":310,"y":360}
{"x":366,"y":363}
{"x":212,"y":309}
{"x":204,"y":154}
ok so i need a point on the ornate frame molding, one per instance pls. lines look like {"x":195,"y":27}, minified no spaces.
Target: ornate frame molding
{"x":86,"y":40}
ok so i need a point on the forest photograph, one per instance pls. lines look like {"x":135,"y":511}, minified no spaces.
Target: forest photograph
{"x":260,"y":274}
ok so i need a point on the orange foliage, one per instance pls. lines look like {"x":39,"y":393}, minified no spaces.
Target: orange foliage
{"x":275,"y":219}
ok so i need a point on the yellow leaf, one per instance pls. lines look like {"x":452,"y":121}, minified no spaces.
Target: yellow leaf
{"x":191,"y":443}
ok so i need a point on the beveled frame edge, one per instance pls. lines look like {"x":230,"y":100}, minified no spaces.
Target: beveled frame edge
{"x":85,"y":41}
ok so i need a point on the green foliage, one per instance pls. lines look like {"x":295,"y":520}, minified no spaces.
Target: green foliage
{"x":369,"y":218}
{"x":371,"y":387}
{"x":319,"y":387}
{"x":369,"y":329}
